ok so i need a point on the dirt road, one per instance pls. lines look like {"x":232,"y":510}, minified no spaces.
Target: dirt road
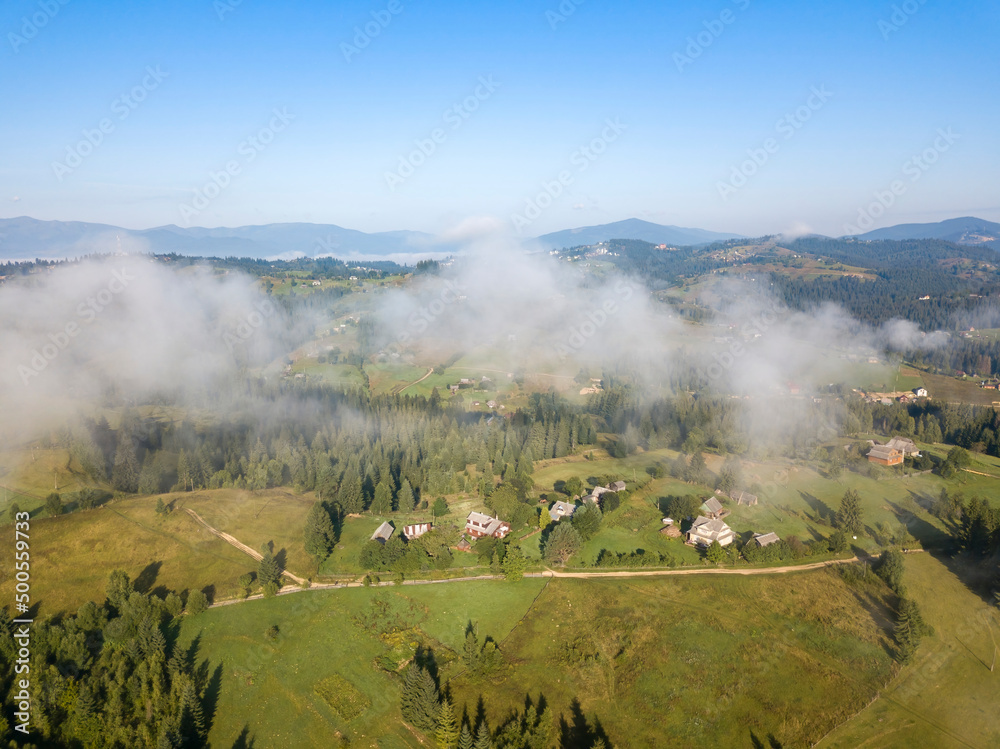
{"x":238,"y":544}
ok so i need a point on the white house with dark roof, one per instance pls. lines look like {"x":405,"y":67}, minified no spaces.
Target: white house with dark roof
{"x":479,"y":525}
{"x":416,"y":530}
{"x":706,"y":530}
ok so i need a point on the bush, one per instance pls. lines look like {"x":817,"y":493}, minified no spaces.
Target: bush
{"x":196,"y":602}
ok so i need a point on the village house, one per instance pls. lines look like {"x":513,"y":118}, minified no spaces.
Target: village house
{"x":885,"y":455}
{"x":479,"y":525}
{"x":706,"y":530}
{"x":920,"y":392}
{"x":743,"y":498}
{"x":491,"y":404}
{"x":383,"y":533}
{"x":416,"y":530}
{"x":903,"y":445}
{"x":764,"y":539}
{"x":561,"y":510}
{"x":713,"y":509}
{"x":317,"y":283}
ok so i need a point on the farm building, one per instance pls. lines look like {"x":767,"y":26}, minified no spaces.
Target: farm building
{"x":561,"y":510}
{"x":903,"y":445}
{"x":670,"y":529}
{"x":743,"y":498}
{"x":764,"y":539}
{"x":706,"y":530}
{"x":416,"y":530}
{"x":598,"y":491}
{"x":713,"y":508}
{"x":383,"y":533}
{"x":479,"y":525}
{"x":464,"y":545}
{"x":885,"y":455}
{"x":617,"y":486}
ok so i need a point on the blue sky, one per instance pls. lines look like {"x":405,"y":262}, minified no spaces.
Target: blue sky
{"x":692,"y":112}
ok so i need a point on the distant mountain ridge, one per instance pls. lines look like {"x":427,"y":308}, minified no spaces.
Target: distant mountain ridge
{"x":965,"y":230}
{"x":632,"y":228}
{"x":25,"y":238}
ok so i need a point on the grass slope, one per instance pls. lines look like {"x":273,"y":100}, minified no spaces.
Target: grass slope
{"x":948,"y":697}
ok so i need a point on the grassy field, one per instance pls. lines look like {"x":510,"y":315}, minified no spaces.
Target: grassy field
{"x":696,"y":662}
{"x":948,"y":697}
{"x":71,"y":555}
{"x":171,"y":553}
{"x":950,"y":390}
{"x":267,"y":687}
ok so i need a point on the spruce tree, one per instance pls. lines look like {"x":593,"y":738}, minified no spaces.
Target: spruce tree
{"x":465,"y":740}
{"x":320,"y":534}
{"x":351,"y":495}
{"x":483,"y":738}
{"x":428,"y":702}
{"x":382,"y":503}
{"x":125,"y":473}
{"x":406,"y":498}
{"x":447,"y":730}
{"x":848,"y":516}
{"x":268,"y":571}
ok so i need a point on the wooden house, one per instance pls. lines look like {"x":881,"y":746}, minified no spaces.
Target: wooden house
{"x":478,"y":525}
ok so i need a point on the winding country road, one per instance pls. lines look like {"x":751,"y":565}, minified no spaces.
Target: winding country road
{"x":415,"y":382}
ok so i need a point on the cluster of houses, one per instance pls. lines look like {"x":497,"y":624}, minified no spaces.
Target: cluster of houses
{"x":892,"y":452}
{"x":709,"y":527}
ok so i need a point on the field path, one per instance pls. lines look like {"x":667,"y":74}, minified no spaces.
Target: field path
{"x":548,"y":573}
{"x":415,"y":382}
{"x":238,"y":544}
{"x":711,"y":571}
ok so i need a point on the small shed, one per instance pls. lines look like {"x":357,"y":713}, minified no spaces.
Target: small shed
{"x":383,"y":533}
{"x":765,"y":539}
{"x":464,"y":545}
{"x":617,"y":486}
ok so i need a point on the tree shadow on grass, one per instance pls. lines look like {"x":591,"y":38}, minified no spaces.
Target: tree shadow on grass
{"x":579,"y":732}
{"x":245,"y":740}
{"x":147,"y":578}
